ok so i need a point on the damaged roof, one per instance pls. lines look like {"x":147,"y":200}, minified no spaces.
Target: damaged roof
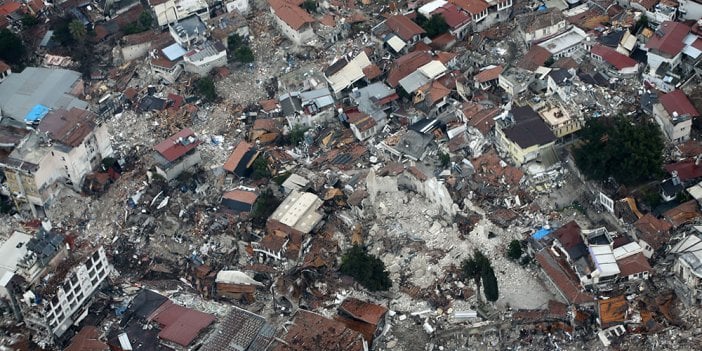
{"x":654,"y":231}
{"x":312,"y":331}
{"x":365,"y":311}
{"x":291,"y":13}
{"x":240,"y":330}
{"x":68,"y":127}
{"x":669,"y":38}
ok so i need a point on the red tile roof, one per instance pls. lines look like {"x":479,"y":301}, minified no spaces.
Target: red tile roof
{"x":614,"y":58}
{"x":291,"y":13}
{"x":87,"y":339}
{"x":677,"y":101}
{"x":269,"y":105}
{"x":247,"y":197}
{"x":671,"y":42}
{"x":489,"y":74}
{"x":480,"y":117}
{"x":362,"y":310}
{"x":372,"y":71}
{"x":406,"y":64}
{"x":435,"y":91}
{"x":654,"y":231}
{"x":403,"y":27}
{"x":569,"y":235}
{"x":179,"y":324}
{"x":235,"y":158}
{"x":10,"y":7}
{"x":686,"y":169}
{"x":647,"y":4}
{"x":177,"y":145}
{"x":473,"y":7}
{"x":563,"y":280}
{"x":633,"y":264}
{"x":454,"y":17}
{"x":534,"y":58}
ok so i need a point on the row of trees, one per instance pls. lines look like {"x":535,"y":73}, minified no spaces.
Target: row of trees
{"x":479,"y":268}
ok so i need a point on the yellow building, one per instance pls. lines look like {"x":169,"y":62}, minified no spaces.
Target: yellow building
{"x":527,"y":137}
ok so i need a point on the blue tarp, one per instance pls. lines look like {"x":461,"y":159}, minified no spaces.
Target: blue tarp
{"x":541,"y":233}
{"x":542,"y":8}
{"x":36,"y":114}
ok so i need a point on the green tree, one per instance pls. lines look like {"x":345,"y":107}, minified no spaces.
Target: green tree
{"x":260,"y":168}
{"x":549,"y":61}
{"x":310,"y":5}
{"x":514,"y":251}
{"x":11,"y":47}
{"x":205,"y":86}
{"x":617,"y":147}
{"x":29,"y":21}
{"x":244,"y":54}
{"x":473,"y":268}
{"x":77,"y":30}
{"x":436,"y":25}
{"x":445,"y":159}
{"x":265,"y":205}
{"x":490,"y":289}
{"x":145,"y":20}
{"x":365,"y":269}
{"x":234,"y":42}
{"x":297,"y":134}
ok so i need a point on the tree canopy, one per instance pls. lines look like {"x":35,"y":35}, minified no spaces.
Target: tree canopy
{"x":77,"y":30}
{"x":490,"y":289}
{"x":617,"y":147}
{"x":514,"y":251}
{"x":260,"y":168}
{"x":11,"y":47}
{"x":433,"y":26}
{"x":366,"y":269}
{"x":205,"y":86}
{"x":244,"y":54}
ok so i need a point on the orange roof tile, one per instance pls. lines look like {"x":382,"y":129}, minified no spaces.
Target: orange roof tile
{"x":239,"y":151}
{"x":489,"y":74}
{"x":291,"y":13}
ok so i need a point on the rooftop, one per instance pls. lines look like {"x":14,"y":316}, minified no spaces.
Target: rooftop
{"x":534,"y":58}
{"x":177,"y":145}
{"x":179,"y":324}
{"x":87,"y":339}
{"x":529,"y":131}
{"x":299,"y":211}
{"x":612,"y":311}
{"x":404,"y":27}
{"x":564,"y":280}
{"x":473,"y":7}
{"x":533,"y":21}
{"x":669,"y":38}
{"x":614,"y":58}
{"x":241,"y":158}
{"x":564,"y":41}
{"x":68,"y":127}
{"x":634,"y":264}
{"x":248,"y":197}
{"x":53,"y":88}
{"x":676,"y":102}
{"x":312,"y":331}
{"x":690,"y":251}
{"x":240,"y":330}
{"x":291,"y":13}
{"x":365,"y":311}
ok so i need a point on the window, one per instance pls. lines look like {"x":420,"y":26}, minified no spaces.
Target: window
{"x":79,"y":297}
{"x":74,"y":280}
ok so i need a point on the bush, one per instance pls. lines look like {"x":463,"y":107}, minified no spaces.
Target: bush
{"x":365,"y":269}
{"x":514,"y":251}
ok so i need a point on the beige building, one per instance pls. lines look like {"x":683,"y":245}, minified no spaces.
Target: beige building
{"x":66,"y":147}
{"x":560,"y":121}
{"x":292,"y":21}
